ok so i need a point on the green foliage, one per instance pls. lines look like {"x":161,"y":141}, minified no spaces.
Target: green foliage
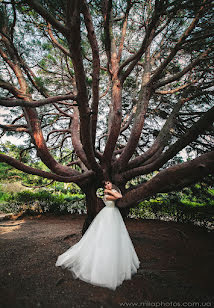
{"x":47,"y":46}
{"x":2,"y":17}
{"x":11,"y":188}
{"x":170,"y":207}
{"x":193,"y":204}
{"x":10,"y":174}
{"x":4,"y":196}
{"x":130,"y":82}
{"x":43,"y":202}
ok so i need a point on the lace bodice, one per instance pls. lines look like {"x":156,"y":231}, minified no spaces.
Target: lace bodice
{"x":109,"y":203}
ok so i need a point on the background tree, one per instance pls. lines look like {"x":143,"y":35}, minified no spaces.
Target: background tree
{"x":147,"y":64}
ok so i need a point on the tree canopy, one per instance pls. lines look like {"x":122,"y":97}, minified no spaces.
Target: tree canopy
{"x":123,"y":85}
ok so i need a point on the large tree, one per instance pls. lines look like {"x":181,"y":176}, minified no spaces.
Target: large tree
{"x":129,"y":83}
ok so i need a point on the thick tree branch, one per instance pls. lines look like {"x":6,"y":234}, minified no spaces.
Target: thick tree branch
{"x":193,"y":132}
{"x":128,"y":119}
{"x":37,"y":137}
{"x":19,"y":63}
{"x":74,"y":40}
{"x":47,"y":16}
{"x":171,"y":179}
{"x":149,"y":35}
{"x":14,"y":61}
{"x":177,"y":76}
{"x":33,"y":104}
{"x":175,"y":90}
{"x":123,"y":34}
{"x":15,"y":128}
{"x":56,"y":43}
{"x":75,"y":137}
{"x":31,"y":114}
{"x":161,"y":140}
{"x":13,"y":90}
{"x":96,"y":69}
{"x":107,"y":7}
{"x":6,"y":59}
{"x":114,"y":121}
{"x":76,"y":178}
{"x":14,"y":20}
{"x":144,"y":97}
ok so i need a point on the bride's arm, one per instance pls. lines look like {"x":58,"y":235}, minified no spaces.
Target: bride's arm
{"x":114,"y":194}
{"x":110,"y":197}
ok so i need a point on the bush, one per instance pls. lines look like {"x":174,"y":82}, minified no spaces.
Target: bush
{"x":4,"y":196}
{"x":186,"y":212}
{"x":12,"y":187}
{"x":44,"y":201}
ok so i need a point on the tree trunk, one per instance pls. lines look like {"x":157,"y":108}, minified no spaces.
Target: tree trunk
{"x":93,"y":205}
{"x":124,"y":211}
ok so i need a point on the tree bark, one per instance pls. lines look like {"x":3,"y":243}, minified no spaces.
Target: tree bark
{"x":92,"y":205}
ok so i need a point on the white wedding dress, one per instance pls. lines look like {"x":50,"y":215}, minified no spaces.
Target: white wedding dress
{"x":105,"y":255}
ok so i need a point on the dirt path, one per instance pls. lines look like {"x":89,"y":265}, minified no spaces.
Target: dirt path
{"x":176,"y":265}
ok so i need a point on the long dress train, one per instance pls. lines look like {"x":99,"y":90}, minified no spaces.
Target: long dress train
{"x":105,"y":255}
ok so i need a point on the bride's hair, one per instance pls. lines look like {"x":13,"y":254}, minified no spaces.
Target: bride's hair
{"x":116,"y":188}
{"x":113,"y":186}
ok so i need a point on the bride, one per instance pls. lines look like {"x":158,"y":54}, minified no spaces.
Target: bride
{"x":105,"y":255}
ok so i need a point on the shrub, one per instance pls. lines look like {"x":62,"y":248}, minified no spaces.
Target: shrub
{"x":186,"y":212}
{"x":44,"y":201}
